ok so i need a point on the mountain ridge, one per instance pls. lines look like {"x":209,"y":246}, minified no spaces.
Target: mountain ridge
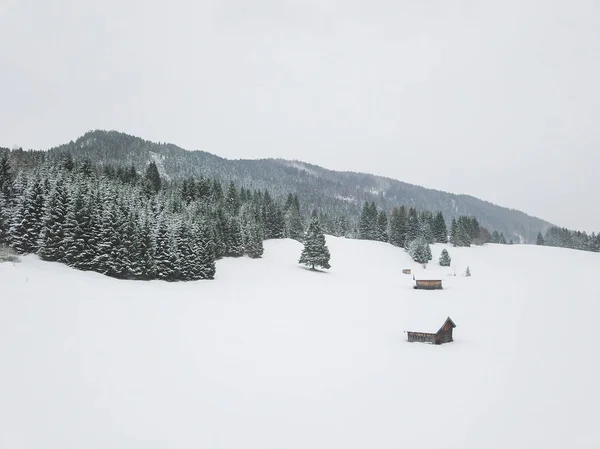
{"x":333,"y":191}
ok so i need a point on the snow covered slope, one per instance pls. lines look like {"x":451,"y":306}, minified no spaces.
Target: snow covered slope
{"x":271,"y":355}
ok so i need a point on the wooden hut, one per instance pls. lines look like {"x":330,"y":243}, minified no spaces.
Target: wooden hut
{"x":443,"y":335}
{"x":406,"y":271}
{"x":428,"y":284}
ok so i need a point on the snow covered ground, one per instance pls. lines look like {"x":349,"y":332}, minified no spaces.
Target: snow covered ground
{"x":273,"y":356}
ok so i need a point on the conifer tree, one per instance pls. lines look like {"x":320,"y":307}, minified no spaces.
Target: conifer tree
{"x":382,"y":227}
{"x":6,"y":178}
{"x":315,"y":252}
{"x":294,"y":226}
{"x":419,"y":250}
{"x":27,"y":223}
{"x":445,"y":259}
{"x":152,"y":178}
{"x":52,"y":239}
{"x":439,"y":228}
{"x":233,"y":200}
{"x":4,"y":220}
{"x":397,"y":233}
{"x":540,"y":239}
{"x":167,"y":261}
{"x":78,"y":252}
{"x":235,"y":238}
{"x":144,"y":266}
{"x":413,"y":229}
{"x":495,"y":237}
{"x":468,"y":272}
{"x":205,"y":248}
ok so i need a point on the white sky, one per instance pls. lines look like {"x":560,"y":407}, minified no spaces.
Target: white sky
{"x":498,"y":99}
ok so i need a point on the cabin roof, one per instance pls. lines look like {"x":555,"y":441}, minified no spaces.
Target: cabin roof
{"x":429,"y":324}
{"x":428,"y":275}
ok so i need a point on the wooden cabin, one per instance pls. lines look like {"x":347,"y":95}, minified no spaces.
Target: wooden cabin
{"x":406,"y":271}
{"x":428,"y":284}
{"x":443,"y":335}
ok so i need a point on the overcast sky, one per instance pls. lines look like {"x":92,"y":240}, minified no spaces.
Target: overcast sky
{"x":498,"y":99}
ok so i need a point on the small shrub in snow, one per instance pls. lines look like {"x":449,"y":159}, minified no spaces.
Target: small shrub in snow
{"x":468,"y":272}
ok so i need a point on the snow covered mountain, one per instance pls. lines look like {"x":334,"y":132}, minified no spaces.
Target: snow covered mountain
{"x":339,"y":193}
{"x":272,"y":355}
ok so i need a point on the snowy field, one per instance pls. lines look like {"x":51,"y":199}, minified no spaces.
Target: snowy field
{"x":273,"y":356}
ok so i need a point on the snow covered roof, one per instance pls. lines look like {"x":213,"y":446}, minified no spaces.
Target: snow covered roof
{"x":429,"y":323}
{"x":424,"y":275}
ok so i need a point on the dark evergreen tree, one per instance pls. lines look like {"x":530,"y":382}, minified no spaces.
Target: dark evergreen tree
{"x":167,"y":262}
{"x":397,"y":233}
{"x":382,"y":227}
{"x":52,"y":239}
{"x":78,"y":251}
{"x":445,"y":258}
{"x":419,"y":250}
{"x":152,"y":178}
{"x":413,"y":230}
{"x":540,"y":239}
{"x":495,"y":237}
{"x":144,"y":266}
{"x":439,"y":228}
{"x":6,"y":179}
{"x":233,"y":200}
{"x":294,"y":225}
{"x":27,"y":223}
{"x":236,"y":240}
{"x":4,"y":221}
{"x":315,"y":252}
{"x":205,"y":248}
{"x":368,"y":226}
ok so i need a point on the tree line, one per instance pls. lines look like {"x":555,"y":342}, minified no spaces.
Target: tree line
{"x":415,"y":231}
{"x":566,"y":238}
{"x":126,"y":225}
{"x":117,"y":221}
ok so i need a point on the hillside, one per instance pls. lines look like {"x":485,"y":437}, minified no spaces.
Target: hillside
{"x":270,"y":355}
{"x":335,"y":192}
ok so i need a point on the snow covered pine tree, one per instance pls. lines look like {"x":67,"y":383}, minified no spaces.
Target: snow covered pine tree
{"x":445,"y":258}
{"x":315,"y":252}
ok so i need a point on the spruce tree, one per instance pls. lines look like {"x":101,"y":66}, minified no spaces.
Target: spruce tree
{"x":294,"y":226}
{"x":233,"y":200}
{"x":167,"y":261}
{"x":445,"y":259}
{"x":152,"y":178}
{"x":235,"y":238}
{"x":4,"y":220}
{"x":419,"y":250}
{"x":439,"y":229}
{"x":540,"y":239}
{"x":78,"y":253}
{"x":204,"y":247}
{"x":413,"y":228}
{"x":6,"y":178}
{"x":315,"y":252}
{"x":144,"y":266}
{"x":382,"y":227}
{"x":52,"y":239}
{"x":27,"y":223}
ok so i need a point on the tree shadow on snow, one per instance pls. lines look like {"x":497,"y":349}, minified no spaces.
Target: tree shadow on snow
{"x":314,"y":270}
